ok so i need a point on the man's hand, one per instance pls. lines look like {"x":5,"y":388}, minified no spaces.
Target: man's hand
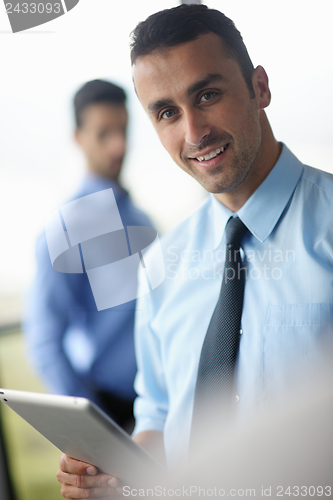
{"x":80,"y":480}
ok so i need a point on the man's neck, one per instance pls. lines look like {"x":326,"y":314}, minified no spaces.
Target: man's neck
{"x":267,"y":157}
{"x":94,"y":172}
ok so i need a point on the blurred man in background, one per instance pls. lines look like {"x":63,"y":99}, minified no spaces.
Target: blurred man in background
{"x":77,"y":349}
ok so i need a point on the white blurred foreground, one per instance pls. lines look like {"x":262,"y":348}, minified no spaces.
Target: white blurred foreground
{"x":285,"y":450}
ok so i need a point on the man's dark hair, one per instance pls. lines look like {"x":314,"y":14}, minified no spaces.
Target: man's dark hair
{"x":96,"y":92}
{"x":184,"y":23}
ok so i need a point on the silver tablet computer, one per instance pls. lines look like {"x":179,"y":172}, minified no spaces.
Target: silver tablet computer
{"x":81,"y":430}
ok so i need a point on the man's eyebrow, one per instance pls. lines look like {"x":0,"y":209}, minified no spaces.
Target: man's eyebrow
{"x":153,"y":107}
{"x":205,"y":82}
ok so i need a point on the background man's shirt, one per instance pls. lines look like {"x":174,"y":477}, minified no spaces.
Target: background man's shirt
{"x":288,"y":301}
{"x":76,"y":348}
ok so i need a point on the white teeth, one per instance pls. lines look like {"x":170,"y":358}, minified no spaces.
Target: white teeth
{"x":211,"y":155}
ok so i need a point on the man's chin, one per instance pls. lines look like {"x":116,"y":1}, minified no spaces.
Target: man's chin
{"x":213,"y":186}
{"x":113,"y":172}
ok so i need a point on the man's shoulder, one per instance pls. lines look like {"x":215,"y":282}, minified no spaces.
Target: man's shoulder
{"x":129,"y":212}
{"x":318,"y":178}
{"x":315,"y":197}
{"x":133,"y":215}
{"x":190,"y":229}
{"x":190,"y":234}
{"x":187,"y":234}
{"x":41,"y":245}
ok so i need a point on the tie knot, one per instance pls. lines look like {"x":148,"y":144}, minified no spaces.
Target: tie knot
{"x":235,"y":230}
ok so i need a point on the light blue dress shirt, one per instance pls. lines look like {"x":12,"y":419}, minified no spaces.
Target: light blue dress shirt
{"x":76,"y":348}
{"x":288,"y":301}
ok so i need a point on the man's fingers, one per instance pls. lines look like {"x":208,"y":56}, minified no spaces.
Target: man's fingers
{"x":81,"y":480}
{"x":76,"y":467}
{"x":101,"y":480}
{"x":71,"y":492}
{"x":114,"y":482}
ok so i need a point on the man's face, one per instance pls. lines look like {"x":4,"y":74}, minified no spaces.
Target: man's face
{"x":200,"y":106}
{"x":102,"y":136}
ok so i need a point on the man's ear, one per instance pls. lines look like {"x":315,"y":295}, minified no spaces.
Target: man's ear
{"x":261,"y":87}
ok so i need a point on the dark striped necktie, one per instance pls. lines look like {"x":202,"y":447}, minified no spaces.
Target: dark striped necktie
{"x":214,"y":395}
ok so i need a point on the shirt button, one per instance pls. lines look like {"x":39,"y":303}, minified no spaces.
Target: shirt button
{"x":241,"y":331}
{"x":236,"y":399}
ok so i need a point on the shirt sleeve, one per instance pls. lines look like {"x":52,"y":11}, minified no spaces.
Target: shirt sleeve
{"x":46,"y":319}
{"x":151,"y":405}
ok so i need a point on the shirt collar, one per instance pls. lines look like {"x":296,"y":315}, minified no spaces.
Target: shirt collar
{"x":263,"y":209}
{"x":92,"y":183}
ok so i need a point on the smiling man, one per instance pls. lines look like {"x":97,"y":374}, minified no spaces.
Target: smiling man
{"x":248,"y":291}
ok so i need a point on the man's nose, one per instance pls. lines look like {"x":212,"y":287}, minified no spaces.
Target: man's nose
{"x":196,"y":127}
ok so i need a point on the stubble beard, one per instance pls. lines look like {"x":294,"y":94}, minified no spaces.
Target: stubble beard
{"x":225,"y":180}
{"x":243,"y":152}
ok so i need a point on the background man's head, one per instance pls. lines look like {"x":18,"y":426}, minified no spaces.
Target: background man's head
{"x":184,"y":23}
{"x":101,"y":122}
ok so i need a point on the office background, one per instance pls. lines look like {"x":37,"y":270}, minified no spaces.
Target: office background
{"x":40,"y":163}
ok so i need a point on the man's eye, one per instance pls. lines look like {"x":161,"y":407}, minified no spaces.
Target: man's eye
{"x":207,"y":96}
{"x":168,"y":113}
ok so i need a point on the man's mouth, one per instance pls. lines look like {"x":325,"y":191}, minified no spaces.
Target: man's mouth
{"x":211,"y":154}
